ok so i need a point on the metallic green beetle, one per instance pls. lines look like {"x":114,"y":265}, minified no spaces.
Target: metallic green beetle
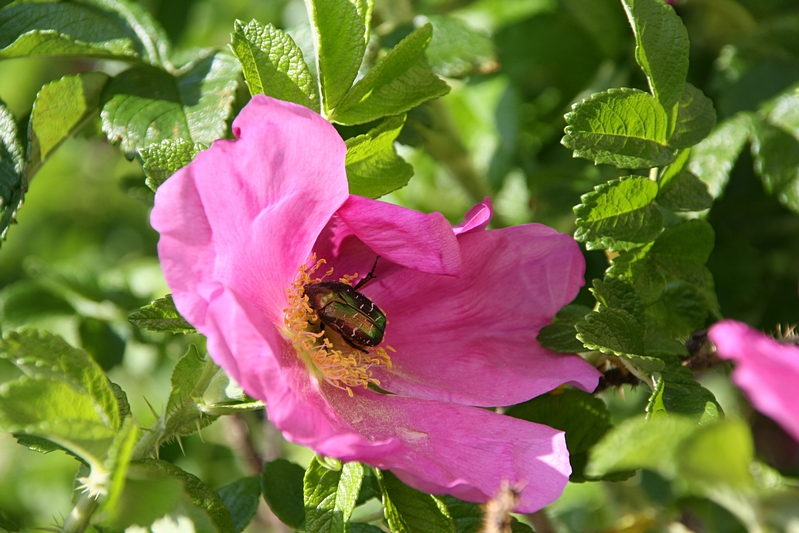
{"x":348,"y":312}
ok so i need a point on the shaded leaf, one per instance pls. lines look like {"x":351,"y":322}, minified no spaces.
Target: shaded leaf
{"x":619,"y":215}
{"x":613,"y":331}
{"x":677,"y":393}
{"x":457,"y":50}
{"x":696,"y":118}
{"x":626,"y":128}
{"x":161,"y":315}
{"x":241,"y":498}
{"x":373,"y":166}
{"x":282,"y":487}
{"x":145,"y":105}
{"x":13,"y":184}
{"x":272,"y":64}
{"x":777,"y":162}
{"x":399,"y":82}
{"x":560,"y":335}
{"x":330,"y":495}
{"x":713,"y":158}
{"x":685,"y":192}
{"x":409,"y":511}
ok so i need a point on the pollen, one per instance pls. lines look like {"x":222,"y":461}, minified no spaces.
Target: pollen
{"x":324,"y":350}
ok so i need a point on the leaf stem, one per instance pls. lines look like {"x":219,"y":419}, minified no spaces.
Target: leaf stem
{"x":78,"y":519}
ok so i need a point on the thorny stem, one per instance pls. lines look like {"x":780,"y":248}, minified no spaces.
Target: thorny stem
{"x":78,"y":519}
{"x":443,"y":143}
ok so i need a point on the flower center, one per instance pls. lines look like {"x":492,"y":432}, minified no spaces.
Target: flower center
{"x":322,"y":348}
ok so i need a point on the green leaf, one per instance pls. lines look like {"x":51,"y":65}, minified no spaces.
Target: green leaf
{"x":13,"y":184}
{"x":640,"y":443}
{"x":626,"y":128}
{"x":399,"y":82}
{"x":777,"y":162}
{"x":282,"y":487}
{"x":457,"y":50}
{"x":154,"y":42}
{"x":330,"y":495}
{"x":202,"y":497}
{"x":613,"y":331}
{"x":585,"y":420}
{"x":619,"y":215}
{"x":696,"y":118}
{"x":241,"y":498}
{"x":619,"y":294}
{"x":360,"y":527}
{"x":717,"y":454}
{"x":681,"y":310}
{"x":677,"y":393}
{"x":159,"y":162}
{"x":65,"y":28}
{"x":161,"y":315}
{"x":685,"y":192}
{"x":682,"y":249}
{"x":467,"y":516}
{"x":61,"y":108}
{"x":52,"y":409}
{"x":42,"y":445}
{"x":713,"y":158}
{"x":373,"y":166}
{"x":185,"y":378}
{"x":560,"y":335}
{"x":145,"y":105}
{"x":146,"y":496}
{"x":118,"y":461}
{"x":409,"y":511}
{"x":783,"y":112}
{"x":45,"y":356}
{"x":341,"y":32}
{"x":26,"y":300}
{"x":101,"y":341}
{"x":272,"y":64}
{"x":661,"y":47}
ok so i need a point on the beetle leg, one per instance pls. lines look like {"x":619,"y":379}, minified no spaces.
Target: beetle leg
{"x":369,"y":276}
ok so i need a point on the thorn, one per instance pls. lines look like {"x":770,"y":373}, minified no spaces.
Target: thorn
{"x":156,"y":415}
{"x":199,"y":430}
{"x":180,"y":443}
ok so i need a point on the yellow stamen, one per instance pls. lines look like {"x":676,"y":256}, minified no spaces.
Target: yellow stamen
{"x":324,"y":350}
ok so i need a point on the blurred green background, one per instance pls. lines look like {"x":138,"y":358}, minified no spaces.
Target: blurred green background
{"x":83,"y":255}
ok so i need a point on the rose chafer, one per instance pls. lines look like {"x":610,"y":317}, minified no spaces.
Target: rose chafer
{"x":349,"y":313}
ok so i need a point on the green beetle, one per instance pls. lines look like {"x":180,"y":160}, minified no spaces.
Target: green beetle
{"x":348,"y":312}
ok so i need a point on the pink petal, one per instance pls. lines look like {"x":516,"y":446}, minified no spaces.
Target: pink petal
{"x":766,"y":370}
{"x":463,"y":451}
{"x":246,"y":213}
{"x":253,"y":351}
{"x":472,"y":340}
{"x":423,"y":242}
{"x":477,"y":218}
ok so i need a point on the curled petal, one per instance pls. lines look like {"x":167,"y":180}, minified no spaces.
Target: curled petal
{"x":472,"y":340}
{"x":766,"y":370}
{"x":477,"y":218}
{"x":247,"y":212}
{"x":462,"y":451}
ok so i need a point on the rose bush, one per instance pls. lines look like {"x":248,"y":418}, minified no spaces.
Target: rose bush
{"x":248,"y":223}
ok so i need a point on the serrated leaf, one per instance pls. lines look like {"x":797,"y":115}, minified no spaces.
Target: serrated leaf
{"x":677,"y":393}
{"x":696,"y":118}
{"x":273,"y":64}
{"x":197,"y":493}
{"x":619,"y":294}
{"x":681,"y":310}
{"x":409,"y":511}
{"x":457,"y":50}
{"x":640,"y":443}
{"x":329,"y":495}
{"x":146,"y":105}
{"x":282,"y":487}
{"x":341,"y":33}
{"x":611,"y":331}
{"x":619,"y":215}
{"x":685,"y":192}
{"x":185,"y":377}
{"x":43,"y":355}
{"x":373,"y":166}
{"x":160,"y":161}
{"x":784,"y":112}
{"x":713,"y":158}
{"x":13,"y":184}
{"x":61,"y":108}
{"x":636,"y":267}
{"x":777,"y":162}
{"x":560,"y":335}
{"x":65,"y":28}
{"x":399,"y":82}
{"x":161,"y":315}
{"x":585,"y":420}
{"x":467,"y":516}
{"x":241,"y":498}
{"x":42,"y":445}
{"x":52,"y":409}
{"x":155,"y":45}
{"x":626,"y":128}
{"x":661,"y":47}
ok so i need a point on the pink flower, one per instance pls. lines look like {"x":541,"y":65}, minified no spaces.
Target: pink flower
{"x":240,"y":228}
{"x":766,"y":370}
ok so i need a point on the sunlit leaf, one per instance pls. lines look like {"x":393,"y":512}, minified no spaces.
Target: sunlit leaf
{"x":373,"y":166}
